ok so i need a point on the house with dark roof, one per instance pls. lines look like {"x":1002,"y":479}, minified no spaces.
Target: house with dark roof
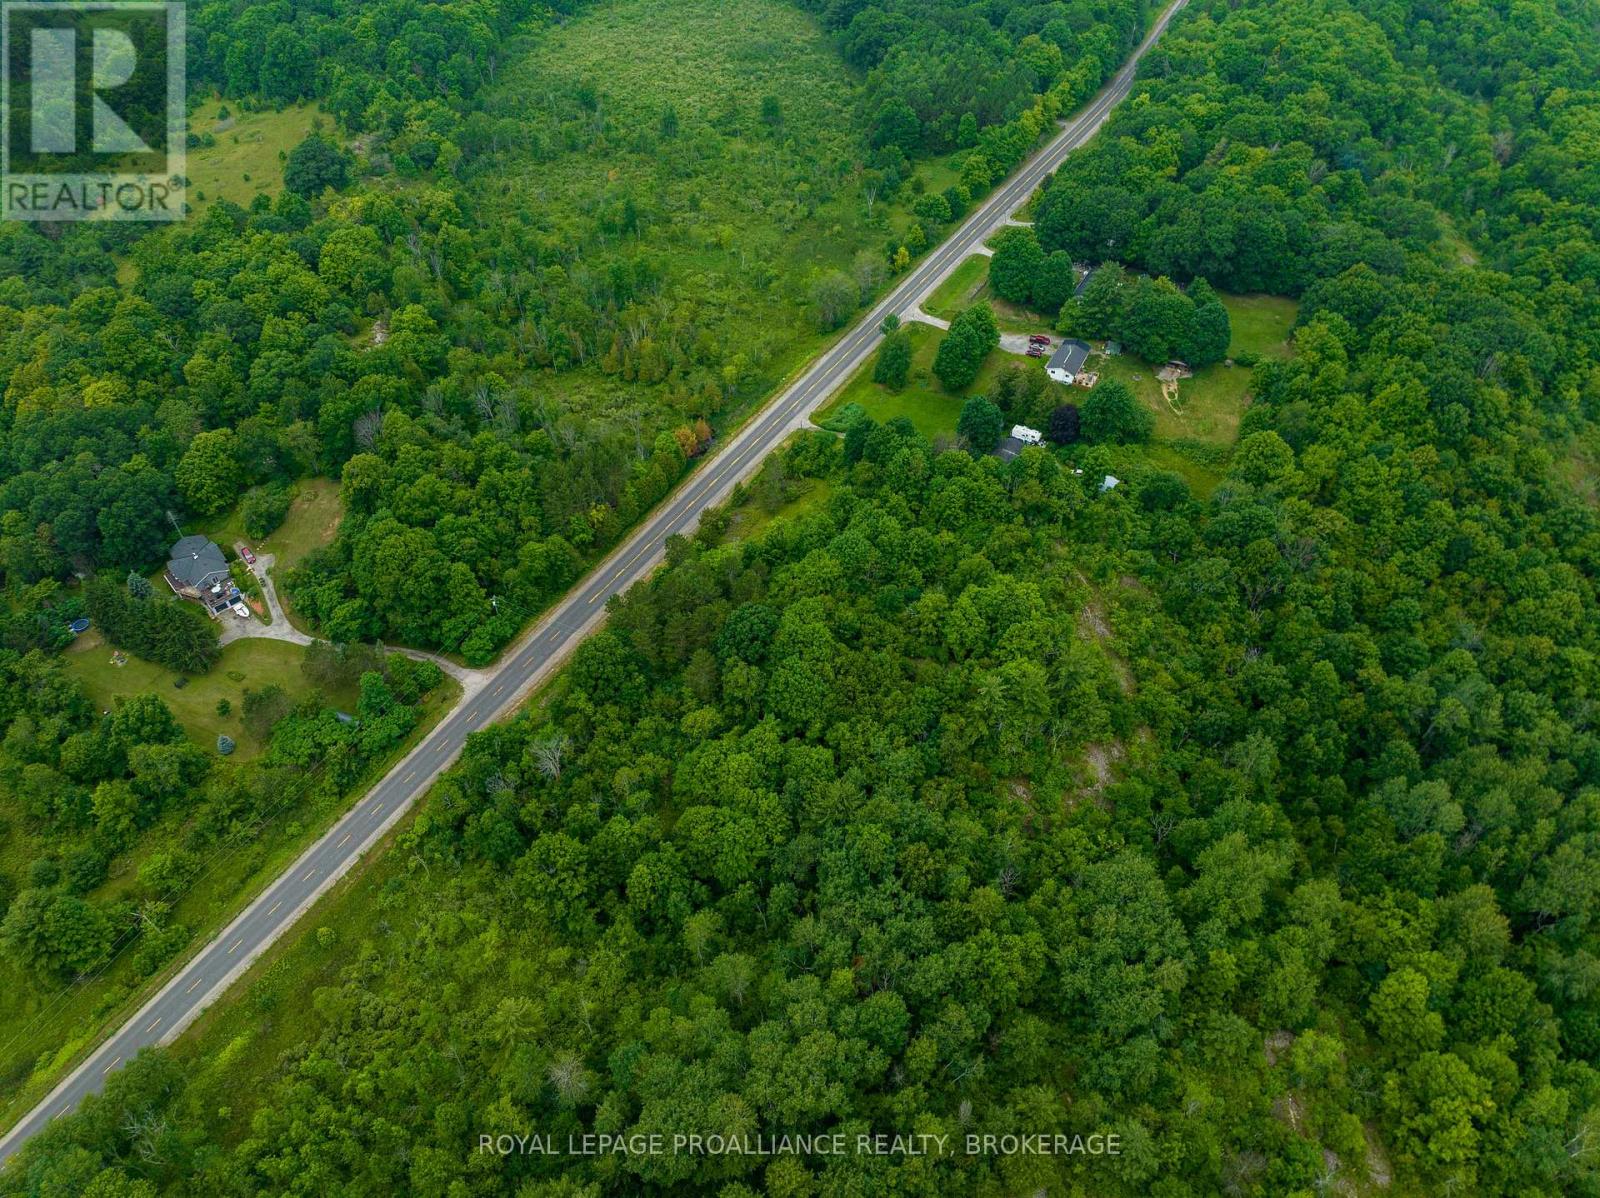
{"x":1067,"y":361}
{"x":197,"y":570}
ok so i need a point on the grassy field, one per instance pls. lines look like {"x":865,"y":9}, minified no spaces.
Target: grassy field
{"x":1210,"y":405}
{"x":250,"y":664}
{"x":245,"y":160}
{"x":312,"y":521}
{"x":970,"y":285}
{"x":923,"y":399}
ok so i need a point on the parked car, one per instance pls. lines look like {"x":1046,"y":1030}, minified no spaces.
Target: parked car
{"x":249,"y":558}
{"x":1038,"y":339}
{"x":1035,"y":351}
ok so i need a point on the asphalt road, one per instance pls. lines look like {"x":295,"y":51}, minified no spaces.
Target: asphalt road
{"x":214,"y":968}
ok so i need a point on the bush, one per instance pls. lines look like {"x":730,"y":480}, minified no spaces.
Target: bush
{"x":1065,"y":424}
{"x":894,"y":360}
{"x":44,"y":872}
{"x":834,"y":296}
{"x":225,"y":745}
{"x":263,"y":508}
{"x":1112,"y":414}
{"x":980,"y":424}
{"x":315,"y":164}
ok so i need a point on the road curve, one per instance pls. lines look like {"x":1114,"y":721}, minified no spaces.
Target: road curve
{"x":209,"y":973}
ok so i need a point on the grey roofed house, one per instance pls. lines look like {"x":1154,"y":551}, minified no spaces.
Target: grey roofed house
{"x":194,"y":565}
{"x":1067,"y":361}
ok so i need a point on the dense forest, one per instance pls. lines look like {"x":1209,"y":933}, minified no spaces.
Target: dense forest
{"x":1260,"y":831}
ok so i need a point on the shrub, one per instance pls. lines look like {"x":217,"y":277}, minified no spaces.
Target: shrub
{"x":263,"y":508}
{"x":1112,"y":414}
{"x":980,"y":424}
{"x":894,"y":361}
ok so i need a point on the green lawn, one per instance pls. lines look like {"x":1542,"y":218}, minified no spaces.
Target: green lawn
{"x":249,"y":664}
{"x":1202,"y":477}
{"x":968,"y":285}
{"x":932,"y":409}
{"x":244,"y":162}
{"x":1015,"y":318}
{"x":960,"y":290}
{"x":1261,"y":324}
{"x":1210,"y":405}
{"x":1141,"y":380}
{"x":311,"y":523}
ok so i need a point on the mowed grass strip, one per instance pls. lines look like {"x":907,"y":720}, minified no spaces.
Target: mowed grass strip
{"x":960,"y":290}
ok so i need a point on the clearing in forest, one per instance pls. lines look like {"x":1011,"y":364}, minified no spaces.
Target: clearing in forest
{"x":241,"y":153}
